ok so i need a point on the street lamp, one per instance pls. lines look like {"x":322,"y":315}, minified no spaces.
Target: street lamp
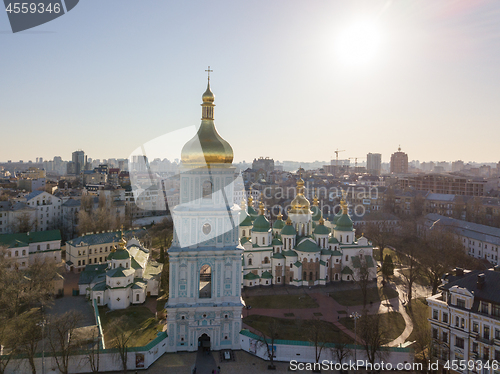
{"x":42,"y":324}
{"x":356,"y":316}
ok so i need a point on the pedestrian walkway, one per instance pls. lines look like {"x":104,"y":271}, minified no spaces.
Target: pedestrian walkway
{"x":205,"y":362}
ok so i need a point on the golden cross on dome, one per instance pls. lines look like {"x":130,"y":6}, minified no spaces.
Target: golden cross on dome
{"x":209,"y":71}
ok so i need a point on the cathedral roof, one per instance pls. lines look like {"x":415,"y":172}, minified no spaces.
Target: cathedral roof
{"x":119,"y":254}
{"x":261,"y":223}
{"x":300,"y":205}
{"x":266,"y":275}
{"x":247,"y":221}
{"x":251,"y":276}
{"x":278,"y":255}
{"x":333,"y":240}
{"x":279,"y":224}
{"x":307,"y":245}
{"x":316,"y":213}
{"x":288,"y":229}
{"x":277,"y":241}
{"x":290,"y":253}
{"x":347,"y":270}
{"x":321,"y":229}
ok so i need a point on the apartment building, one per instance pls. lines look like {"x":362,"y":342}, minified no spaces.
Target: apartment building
{"x":465,"y":320}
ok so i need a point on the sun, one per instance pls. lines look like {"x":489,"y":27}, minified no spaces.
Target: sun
{"x":359,"y":43}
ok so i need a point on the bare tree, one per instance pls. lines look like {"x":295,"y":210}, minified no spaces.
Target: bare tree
{"x":341,"y":349}
{"x":23,"y":223}
{"x":363,"y":279}
{"x":268,"y":338}
{"x":60,"y":337}
{"x":29,"y":334}
{"x":379,"y":236}
{"x":120,"y":334}
{"x":318,"y":335}
{"x":422,"y":334}
{"x":93,"y":352}
{"x":372,"y":336}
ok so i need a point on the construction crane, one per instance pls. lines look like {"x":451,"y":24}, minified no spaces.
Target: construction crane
{"x":337,"y":160}
{"x":355,"y":160}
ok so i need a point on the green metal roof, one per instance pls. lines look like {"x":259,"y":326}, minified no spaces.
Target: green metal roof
{"x":333,"y":240}
{"x":279,"y":224}
{"x":23,"y":239}
{"x":336,"y":253}
{"x":261,"y":224}
{"x":244,"y":240}
{"x":266,"y":275}
{"x":247,"y":221}
{"x":278,"y":255}
{"x":251,"y":276}
{"x":344,"y":223}
{"x":252,"y":212}
{"x":102,"y":238}
{"x":119,"y":254}
{"x":298,"y":264}
{"x":316,"y":213}
{"x":288,"y":230}
{"x":277,"y":241}
{"x":321,"y":262}
{"x":290,"y":253}
{"x":134,"y":264}
{"x":347,"y":270}
{"x":119,"y":273}
{"x":307,"y":245}
{"x":101,"y":286}
{"x":326,"y":252}
{"x":321,"y":230}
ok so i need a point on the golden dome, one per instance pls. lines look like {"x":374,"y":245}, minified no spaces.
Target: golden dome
{"x":300,"y":204}
{"x":207,"y":146}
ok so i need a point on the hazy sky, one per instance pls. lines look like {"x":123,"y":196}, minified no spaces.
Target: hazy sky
{"x":112,"y":75}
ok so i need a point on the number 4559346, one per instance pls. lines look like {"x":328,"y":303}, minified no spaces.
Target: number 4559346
{"x":33,"y":8}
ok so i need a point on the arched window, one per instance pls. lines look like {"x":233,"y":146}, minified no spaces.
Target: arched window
{"x":305,"y":275}
{"x":24,"y":252}
{"x":266,"y":260}
{"x":243,"y":233}
{"x":16,"y":254}
{"x":250,"y":261}
{"x":207,"y":190}
{"x":263,"y":240}
{"x":137,"y":297}
{"x":98,"y":299}
{"x":311,"y":276}
{"x":38,"y":247}
{"x":48,"y":246}
{"x":205,"y":288}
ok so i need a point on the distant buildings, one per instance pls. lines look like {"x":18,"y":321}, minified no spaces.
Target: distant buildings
{"x":444,"y":184}
{"x":266,"y":164}
{"x":481,"y":241}
{"x":465,"y":319}
{"x":48,"y":210}
{"x":26,"y":248}
{"x":374,"y":163}
{"x":399,"y":162}
{"x":78,"y":162}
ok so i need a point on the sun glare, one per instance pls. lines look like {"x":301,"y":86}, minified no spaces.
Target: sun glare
{"x":358,"y":44}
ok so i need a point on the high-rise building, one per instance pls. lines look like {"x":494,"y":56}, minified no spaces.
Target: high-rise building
{"x":267,"y":164}
{"x":78,"y":158}
{"x":374,"y":163}
{"x":399,"y":162}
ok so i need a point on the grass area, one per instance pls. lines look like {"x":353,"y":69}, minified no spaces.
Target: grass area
{"x":387,"y":251}
{"x":289,"y":315}
{"x":420,"y":279}
{"x":296,"y":329}
{"x":281,"y":301}
{"x":355,"y":297}
{"x":136,"y":319}
{"x":419,"y":312}
{"x":392,"y":324}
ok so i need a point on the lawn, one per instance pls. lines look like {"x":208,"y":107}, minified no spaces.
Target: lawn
{"x":420,"y":279}
{"x":355,"y":297}
{"x":296,"y":329}
{"x":387,"y":251}
{"x":137,"y":319}
{"x":281,"y":301}
{"x":392,"y":324}
{"x":419,"y":313}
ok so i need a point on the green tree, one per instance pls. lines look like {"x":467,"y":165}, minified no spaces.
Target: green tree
{"x":388,"y":266}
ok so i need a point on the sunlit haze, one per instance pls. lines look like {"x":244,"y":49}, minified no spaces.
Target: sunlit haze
{"x":293,"y":80}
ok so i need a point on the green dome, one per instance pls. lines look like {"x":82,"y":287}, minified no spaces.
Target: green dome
{"x":321,"y":230}
{"x":316,"y":216}
{"x":344,"y":223}
{"x":120,"y":254}
{"x":277,"y":241}
{"x":279,"y":224}
{"x":247,"y":221}
{"x":252,"y":212}
{"x":333,"y":240}
{"x":337,"y":216}
{"x":288,"y":230}
{"x":261,"y":224}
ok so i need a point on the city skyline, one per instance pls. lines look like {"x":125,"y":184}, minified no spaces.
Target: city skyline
{"x":281,"y":81}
